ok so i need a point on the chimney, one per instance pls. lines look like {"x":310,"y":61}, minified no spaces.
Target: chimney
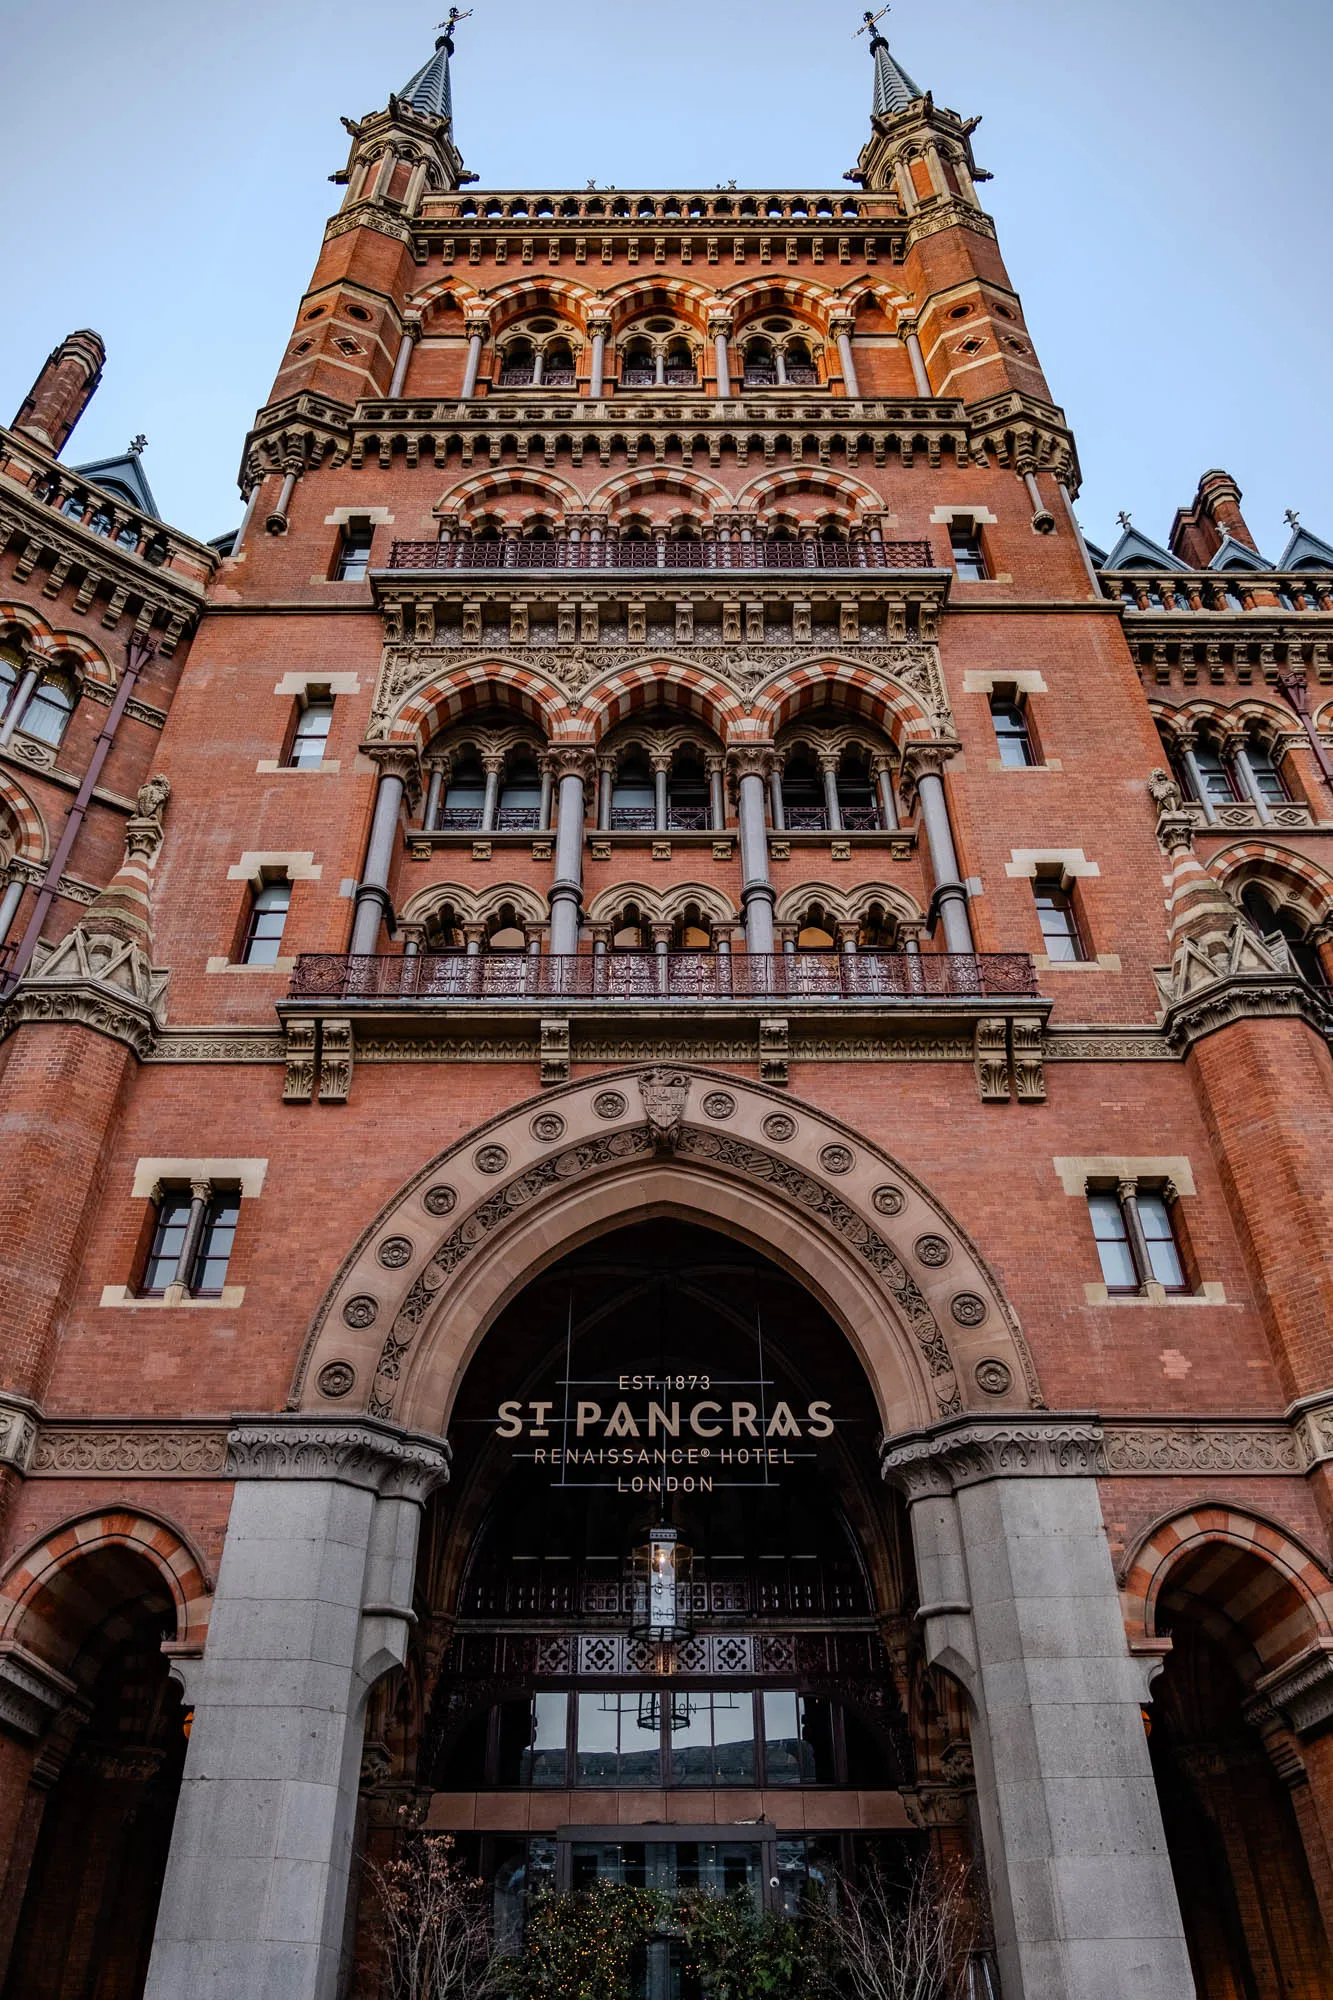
{"x":62,"y":392}
{"x":1199,"y":531}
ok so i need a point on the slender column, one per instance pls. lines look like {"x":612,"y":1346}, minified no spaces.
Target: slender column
{"x":384,"y":178}
{"x":477,"y":331}
{"x":1019,"y":1604}
{"x":848,"y":938}
{"x":659,"y":369}
{"x":780,"y":360}
{"x":430,"y":819}
{"x":474,"y":936}
{"x":179,"y":1288}
{"x":9,"y":907}
{"x":828,"y":766}
{"x":912,"y":343}
{"x":606,"y":778}
{"x":493,"y":765}
{"x":574,"y":769}
{"x":1127,"y":1193}
{"x":277,"y":520}
{"x":412,"y":199}
{"x":547,"y":794}
{"x":925,"y":763}
{"x":413,"y":936}
{"x":599,"y":329}
{"x":751,"y":767}
{"x":939,"y":180}
{"x":27,"y":687}
{"x":776,"y":807}
{"x":313,"y":1606}
{"x":963,"y":175}
{"x":902,"y":177}
{"x":888,"y":805}
{"x":717,"y":803}
{"x":1241,"y":761}
{"x":1185,"y":745}
{"x":719,"y":325}
{"x":1068,"y":499}
{"x":538,"y":360}
{"x":661,"y":949}
{"x":411,"y":334}
{"x":661,"y":772}
{"x":841,"y":329}
{"x":398,"y":772}
{"x":252,"y":501}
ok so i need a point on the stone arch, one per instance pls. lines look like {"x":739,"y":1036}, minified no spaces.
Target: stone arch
{"x":849,"y":904}
{"x":662,"y":905}
{"x":421,"y":716}
{"x":634,"y":296}
{"x":747,"y":297}
{"x":53,"y":647}
{"x":838,"y":487}
{"x":524,"y":295}
{"x":847,"y":684}
{"x":674,"y":682}
{"x":43,"y":1606}
{"x":417,"y":1294}
{"x":27,"y":827}
{"x":1307,"y":886}
{"x":459,"y":499}
{"x":659,"y":479}
{"x":475,"y":905}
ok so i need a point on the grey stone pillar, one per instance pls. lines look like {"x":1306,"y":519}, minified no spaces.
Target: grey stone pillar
{"x":661,"y":807}
{"x":398,"y":772}
{"x":599,"y":329}
{"x":828,"y":766}
{"x":719,"y":325}
{"x":1019,"y":1604}
{"x":1185,"y":745}
{"x":411,"y":334}
{"x":717,"y":804}
{"x":750,"y":770}
{"x":776,"y":804}
{"x":27,"y":687}
{"x":924,"y":764}
{"x":573,"y":769}
{"x":314,"y":1604}
{"x":1245,"y":771}
{"x":477,"y":332}
{"x":547,"y":796}
{"x":918,"y":361}
{"x":9,"y":907}
{"x":888,"y":805}
{"x":841,"y":330}
{"x":493,"y":764}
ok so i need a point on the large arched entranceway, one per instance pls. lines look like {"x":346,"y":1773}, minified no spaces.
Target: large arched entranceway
{"x":785,"y":1725}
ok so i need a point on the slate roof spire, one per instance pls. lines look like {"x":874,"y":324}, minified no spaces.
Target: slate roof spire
{"x":894,"y":88}
{"x":429,"y":91}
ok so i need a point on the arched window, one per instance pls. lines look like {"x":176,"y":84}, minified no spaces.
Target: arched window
{"x":639,"y":368}
{"x":801,"y":370}
{"x":803,"y":804}
{"x":444,"y":931}
{"x":518,"y":365}
{"x":466,"y":797}
{"x":633,"y":797}
{"x":692,"y":931}
{"x":879,"y":930}
{"x":687,"y":795}
{"x":1219,"y":786}
{"x":630,"y":932}
{"x":520,"y":796}
{"x":506,"y":932}
{"x":558,"y":371}
{"x":1269,"y":916}
{"x":47,"y":714}
{"x":11,"y":673}
{"x":761,"y":370}
{"x":680,"y":369}
{"x":857,"y":805}
{"x":816,"y":930}
{"x":1267,"y":776}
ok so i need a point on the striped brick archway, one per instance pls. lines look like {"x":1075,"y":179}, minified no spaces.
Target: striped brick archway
{"x":848,"y":685}
{"x":22,"y":817}
{"x":676,"y":683}
{"x":428,"y":710}
{"x":45,"y":1599}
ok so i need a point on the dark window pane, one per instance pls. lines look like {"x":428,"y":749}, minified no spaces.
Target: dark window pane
{"x":789,"y":1758}
{"x":968,"y":559}
{"x":312,"y":734}
{"x":168,"y":1241}
{"x":514,"y":1742}
{"x":1011,"y":733}
{"x":354,"y":553}
{"x":268,"y":914}
{"x":1058,"y":928}
{"x":1163,"y":1256}
{"x":1112,"y":1236}
{"x":219,"y":1232}
{"x":544,"y":1760}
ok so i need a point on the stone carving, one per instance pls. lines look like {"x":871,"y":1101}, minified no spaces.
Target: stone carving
{"x":664,"y":1092}
{"x":31,"y":1693}
{"x":359,"y":1454}
{"x":556,"y":1170}
{"x":610,"y":1104}
{"x":969,"y":1309}
{"x":439,"y":1200}
{"x":1302,"y":1690}
{"x":978,"y":1448}
{"x":337,"y":1379}
{"x":548,"y":1126}
{"x":779,"y":1127}
{"x":837,"y":1159}
{"x":490,"y":1159}
{"x":554,"y":1049}
{"x":299,"y":1082}
{"x":1029,"y":1077}
{"x":103,"y":1451}
{"x":719,"y":1104}
{"x":335,"y":1062}
{"x":151,"y":802}
{"x":18,"y":1431}
{"x":991,"y":1059}
{"x":1172,"y":1448}
{"x":932,"y":1251}
{"x":208,"y":1048}
{"x":394,"y":1252}
{"x":889,"y":1200}
{"x":1164,"y":791}
{"x":361,"y":1311}
{"x":993,"y":1378}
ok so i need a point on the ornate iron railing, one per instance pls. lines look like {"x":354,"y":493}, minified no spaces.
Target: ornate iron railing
{"x":710,"y":554}
{"x":453,"y":978}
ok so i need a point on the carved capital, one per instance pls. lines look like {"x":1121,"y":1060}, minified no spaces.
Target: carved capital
{"x":477,"y":326}
{"x":573,"y":760}
{"x":841,"y":323}
{"x":1302,"y":1690}
{"x":973,"y":1449}
{"x":752,"y":760}
{"x":32,"y":1694}
{"x":1240,"y":996}
{"x":19,"y":1422}
{"x":926,"y":759}
{"x":721,"y":323}
{"x":369,"y":1454}
{"x":395,"y":760}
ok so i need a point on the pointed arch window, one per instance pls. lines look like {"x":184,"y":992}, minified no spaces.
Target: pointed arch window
{"x":47,"y":715}
{"x":465,"y":800}
{"x":803,"y":804}
{"x":761,"y":368}
{"x":688,"y":808}
{"x":1272,"y":918}
{"x":633,"y":796}
{"x":520,"y":797}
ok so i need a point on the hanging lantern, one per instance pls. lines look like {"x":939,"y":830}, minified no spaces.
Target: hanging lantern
{"x":660,"y":1589}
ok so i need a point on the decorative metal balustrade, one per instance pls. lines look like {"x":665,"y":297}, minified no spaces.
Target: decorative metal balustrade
{"x":457,"y":979}
{"x":646,"y":555}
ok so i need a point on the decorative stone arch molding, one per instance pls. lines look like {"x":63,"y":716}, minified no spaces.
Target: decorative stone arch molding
{"x":854,"y":688}
{"x":23,"y":834}
{"x":475,"y":905}
{"x":677,"y":683}
{"x":1302,"y":882}
{"x":465,"y":501}
{"x":839,"y":489}
{"x":417,"y":1294}
{"x":627,"y":486}
{"x":849,"y":905}
{"x":449,"y":696}
{"x":662,"y":905}
{"x":50,"y":648}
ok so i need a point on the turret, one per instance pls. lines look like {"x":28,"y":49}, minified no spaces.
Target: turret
{"x":917,"y":149}
{"x":400,"y":154}
{"x":62,"y":392}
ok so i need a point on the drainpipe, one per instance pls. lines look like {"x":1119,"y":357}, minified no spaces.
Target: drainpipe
{"x":138,"y":653}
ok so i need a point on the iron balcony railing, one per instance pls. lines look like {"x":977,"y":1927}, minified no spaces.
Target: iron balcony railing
{"x":456,"y":978}
{"x":711,"y":554}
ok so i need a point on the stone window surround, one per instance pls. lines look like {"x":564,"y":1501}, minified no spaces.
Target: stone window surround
{"x":245,"y":1175}
{"x":1077,"y":1173}
{"x":1023,"y":680}
{"x":980,"y":517}
{"x":256,"y":868}
{"x":1026,"y":864}
{"x":378,"y":517}
{"x":298,"y":685}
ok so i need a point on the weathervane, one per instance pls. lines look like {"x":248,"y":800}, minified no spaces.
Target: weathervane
{"x":454,"y":18}
{"x":871,"y":21}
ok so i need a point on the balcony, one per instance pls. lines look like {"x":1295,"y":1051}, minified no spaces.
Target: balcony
{"x":658,"y":555}
{"x":452,"y":979}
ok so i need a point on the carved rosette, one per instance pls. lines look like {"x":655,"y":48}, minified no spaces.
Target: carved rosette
{"x":377,"y":1456}
{"x":950,"y":1456}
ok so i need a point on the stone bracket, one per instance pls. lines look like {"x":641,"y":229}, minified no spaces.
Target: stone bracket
{"x":1302,"y":1690}
{"x":555,"y":1051}
{"x":319,"y":1058}
{"x":32,"y":1694}
{"x":1008,"y":1055}
{"x":774,"y":1051}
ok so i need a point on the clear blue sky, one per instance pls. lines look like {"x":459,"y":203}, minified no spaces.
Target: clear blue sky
{"x":1160,"y":189}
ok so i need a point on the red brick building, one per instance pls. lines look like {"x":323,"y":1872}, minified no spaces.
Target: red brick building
{"x":659,"y":945}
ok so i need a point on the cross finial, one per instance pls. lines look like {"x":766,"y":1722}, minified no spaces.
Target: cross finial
{"x":1123,"y":518}
{"x":138,"y":445}
{"x":870,"y":22}
{"x":1292,"y":518}
{"x":454,"y":18}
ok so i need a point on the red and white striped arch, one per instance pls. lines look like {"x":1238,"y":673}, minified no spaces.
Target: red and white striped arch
{"x":52,"y":646}
{"x":1258,"y":1592}
{"x":1305,"y":883}
{"x":844,"y":684}
{"x":469,"y":498}
{"x":465,"y":296}
{"x":479,"y":684}
{"x":633,"y":297}
{"x":605,"y":498}
{"x":675,"y":683}
{"x":26,"y":825}
{"x":521,"y":296}
{"x":836,"y":486}
{"x":47,"y":1601}
{"x":748,"y":296}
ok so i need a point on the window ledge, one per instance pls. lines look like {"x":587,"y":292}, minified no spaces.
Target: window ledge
{"x":121,"y":1295}
{"x":1211,"y":1294}
{"x":270,"y":767}
{"x":1105,"y":961}
{"x":284,"y":965}
{"x":1023,"y":770}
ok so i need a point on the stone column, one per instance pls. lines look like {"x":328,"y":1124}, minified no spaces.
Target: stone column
{"x":776,"y":804}
{"x":717,"y":803}
{"x":719,"y":325}
{"x":547,"y":795}
{"x":23,"y":694}
{"x":493,"y":764}
{"x":434,"y":799}
{"x":1245,"y":771}
{"x":398,"y":777}
{"x":477,"y":332}
{"x":917,"y":359}
{"x":750,"y":767}
{"x":9,"y":907}
{"x":924,"y":764}
{"x":573,"y":768}
{"x":314,"y":1604}
{"x":828,"y":765}
{"x":606,"y":778}
{"x":841,"y":329}
{"x":599,"y":328}
{"x":661,"y":764}
{"x":882,"y":771}
{"x":411,"y":335}
{"x":1185,"y":744}
{"x":276,"y":524}
{"x":1019,"y":1604}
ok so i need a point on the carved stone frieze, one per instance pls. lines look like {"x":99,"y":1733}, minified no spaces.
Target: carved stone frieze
{"x":89,"y":1005}
{"x":1003,"y":1447}
{"x":144,"y":1451}
{"x":32,"y":1693}
{"x":1302,"y":1690}
{"x":1176,"y":1448}
{"x":68,"y":886}
{"x":203,"y":1045}
{"x":369,"y":1454}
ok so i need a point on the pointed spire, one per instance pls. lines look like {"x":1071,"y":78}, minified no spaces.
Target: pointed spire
{"x":894,"y":88}
{"x":430,"y":90}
